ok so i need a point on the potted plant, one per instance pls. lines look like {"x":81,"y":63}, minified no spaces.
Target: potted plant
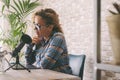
{"x":15,"y":12}
{"x":114,"y":30}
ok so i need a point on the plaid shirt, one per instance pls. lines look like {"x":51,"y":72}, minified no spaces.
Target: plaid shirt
{"x":54,"y":55}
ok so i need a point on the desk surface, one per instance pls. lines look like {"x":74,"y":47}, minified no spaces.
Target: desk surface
{"x":37,"y":74}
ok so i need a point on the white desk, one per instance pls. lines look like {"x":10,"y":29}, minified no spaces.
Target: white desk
{"x":37,"y":74}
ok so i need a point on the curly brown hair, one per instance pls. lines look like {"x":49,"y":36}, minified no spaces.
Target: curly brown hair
{"x":50,"y":17}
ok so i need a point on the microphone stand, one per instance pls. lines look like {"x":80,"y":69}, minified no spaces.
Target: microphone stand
{"x":17,"y":64}
{"x":24,"y":39}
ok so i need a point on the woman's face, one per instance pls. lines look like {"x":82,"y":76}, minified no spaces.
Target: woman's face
{"x":41,"y":28}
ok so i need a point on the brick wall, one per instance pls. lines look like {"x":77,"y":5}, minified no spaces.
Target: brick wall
{"x":76,"y":18}
{"x":77,"y":21}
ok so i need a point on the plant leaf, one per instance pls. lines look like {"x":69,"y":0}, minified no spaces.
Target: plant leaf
{"x":117,"y":7}
{"x":112,"y":12}
{"x":18,"y":7}
{"x":3,"y":7}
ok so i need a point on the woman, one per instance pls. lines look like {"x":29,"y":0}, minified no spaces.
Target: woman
{"x":51,"y":50}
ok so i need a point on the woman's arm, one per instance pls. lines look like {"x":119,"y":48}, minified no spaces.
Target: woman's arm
{"x":53,"y":53}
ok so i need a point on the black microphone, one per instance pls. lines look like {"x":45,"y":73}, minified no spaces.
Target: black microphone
{"x":25,"y":39}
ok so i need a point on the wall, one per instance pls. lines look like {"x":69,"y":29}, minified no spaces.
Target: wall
{"x":77,"y":21}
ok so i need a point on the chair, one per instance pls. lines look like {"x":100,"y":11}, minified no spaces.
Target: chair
{"x":76,"y":62}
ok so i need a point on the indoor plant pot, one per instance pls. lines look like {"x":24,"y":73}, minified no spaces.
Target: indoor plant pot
{"x":114,"y":31}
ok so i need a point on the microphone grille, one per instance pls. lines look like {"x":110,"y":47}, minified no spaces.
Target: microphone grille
{"x":26,"y":38}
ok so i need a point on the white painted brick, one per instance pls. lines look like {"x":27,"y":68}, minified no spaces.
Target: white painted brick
{"x":76,"y":18}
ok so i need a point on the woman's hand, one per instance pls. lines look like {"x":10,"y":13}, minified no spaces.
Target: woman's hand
{"x":36,"y":40}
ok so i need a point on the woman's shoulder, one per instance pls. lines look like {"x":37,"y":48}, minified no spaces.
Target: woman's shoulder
{"x":58,"y":34}
{"x":57,"y":39}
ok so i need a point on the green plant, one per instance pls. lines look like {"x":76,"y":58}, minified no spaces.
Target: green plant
{"x":15,"y":11}
{"x":117,"y":7}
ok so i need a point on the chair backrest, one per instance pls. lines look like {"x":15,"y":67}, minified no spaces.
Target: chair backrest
{"x":76,"y":62}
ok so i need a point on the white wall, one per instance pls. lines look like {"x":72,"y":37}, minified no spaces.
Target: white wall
{"x":76,"y":18}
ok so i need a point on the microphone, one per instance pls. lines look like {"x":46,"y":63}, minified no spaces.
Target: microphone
{"x":25,"y":39}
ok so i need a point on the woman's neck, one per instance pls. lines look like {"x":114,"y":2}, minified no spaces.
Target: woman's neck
{"x":49,"y":34}
{"x":46,"y":38}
